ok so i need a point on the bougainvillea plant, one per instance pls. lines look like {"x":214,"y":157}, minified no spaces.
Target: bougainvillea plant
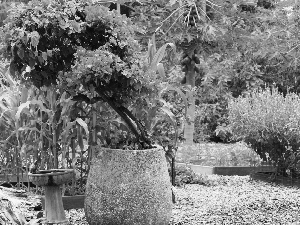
{"x":84,"y":48}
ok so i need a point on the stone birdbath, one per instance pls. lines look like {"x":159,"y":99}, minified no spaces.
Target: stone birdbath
{"x":51,"y":180}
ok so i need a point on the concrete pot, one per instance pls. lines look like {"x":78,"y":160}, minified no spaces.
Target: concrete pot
{"x":128,"y":187}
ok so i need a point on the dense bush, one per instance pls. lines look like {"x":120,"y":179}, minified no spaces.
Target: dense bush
{"x":212,"y":99}
{"x":270,"y":123}
{"x":209,"y":117}
{"x":84,"y":49}
{"x":246,"y":63}
{"x":185,"y":175}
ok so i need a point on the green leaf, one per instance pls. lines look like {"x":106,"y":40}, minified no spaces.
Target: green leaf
{"x":11,"y":216}
{"x":151,"y":52}
{"x":34,"y":38}
{"x":2,"y":220}
{"x":153,"y":42}
{"x":20,"y":109}
{"x":151,"y":114}
{"x":9,"y":79}
{"x":67,"y":105}
{"x":172,"y":2}
{"x":74,"y":161}
{"x":161,"y":70}
{"x":159,"y":55}
{"x":118,"y":123}
{"x":44,"y":56}
{"x":182,"y":95}
{"x":21,"y":218}
{"x":80,"y":138}
{"x":67,"y":128}
{"x":28,"y":129}
{"x":26,"y":105}
{"x":154,"y":123}
{"x":41,"y":59}
{"x":24,"y":94}
{"x":31,"y":62}
{"x":171,"y":116}
{"x":49,"y":53}
{"x":21,"y":53}
{"x":75,"y":25}
{"x":84,"y":125}
{"x":24,"y":39}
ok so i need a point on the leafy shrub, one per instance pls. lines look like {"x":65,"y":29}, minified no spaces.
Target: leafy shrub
{"x":210,"y":117}
{"x":84,"y":49}
{"x":185,"y":175}
{"x":212,"y":99}
{"x":270,"y":123}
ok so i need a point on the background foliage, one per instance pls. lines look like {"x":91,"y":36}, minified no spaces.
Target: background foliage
{"x":95,"y":54}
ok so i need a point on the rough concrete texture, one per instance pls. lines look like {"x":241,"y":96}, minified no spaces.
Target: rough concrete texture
{"x":52,"y":177}
{"x":128,"y":187}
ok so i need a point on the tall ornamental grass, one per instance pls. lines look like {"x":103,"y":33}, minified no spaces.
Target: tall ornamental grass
{"x":269,"y":123}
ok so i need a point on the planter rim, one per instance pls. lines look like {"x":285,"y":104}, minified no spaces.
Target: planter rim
{"x":124,"y":150}
{"x":55,"y":172}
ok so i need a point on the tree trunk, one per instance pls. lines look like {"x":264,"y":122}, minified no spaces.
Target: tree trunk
{"x":189,"y":125}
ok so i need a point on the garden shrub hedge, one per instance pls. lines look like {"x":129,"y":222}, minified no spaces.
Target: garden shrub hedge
{"x":269,"y":122}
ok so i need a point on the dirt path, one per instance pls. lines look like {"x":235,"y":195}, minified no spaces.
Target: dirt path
{"x":229,"y":200}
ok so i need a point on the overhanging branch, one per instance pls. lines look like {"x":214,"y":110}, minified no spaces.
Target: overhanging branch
{"x":123,"y":115}
{"x":133,"y":123}
{"x":138,"y":124}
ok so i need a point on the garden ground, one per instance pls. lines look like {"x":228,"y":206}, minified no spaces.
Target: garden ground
{"x":223,"y":200}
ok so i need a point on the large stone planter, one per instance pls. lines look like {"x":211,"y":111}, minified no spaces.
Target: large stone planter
{"x":128,"y":187}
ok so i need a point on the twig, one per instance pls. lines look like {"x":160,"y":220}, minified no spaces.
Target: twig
{"x":188,"y":16}
{"x":205,"y":15}
{"x":169,"y":17}
{"x":293,"y":49}
{"x":174,"y":23}
{"x":173,"y":13}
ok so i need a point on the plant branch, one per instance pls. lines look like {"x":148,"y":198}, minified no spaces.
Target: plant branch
{"x":123,"y":112}
{"x":138,"y":124}
{"x":111,"y":104}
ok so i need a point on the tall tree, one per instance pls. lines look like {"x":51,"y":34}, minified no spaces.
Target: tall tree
{"x":193,"y":26}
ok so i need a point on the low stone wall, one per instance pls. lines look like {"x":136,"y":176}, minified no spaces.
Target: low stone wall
{"x":228,"y":170}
